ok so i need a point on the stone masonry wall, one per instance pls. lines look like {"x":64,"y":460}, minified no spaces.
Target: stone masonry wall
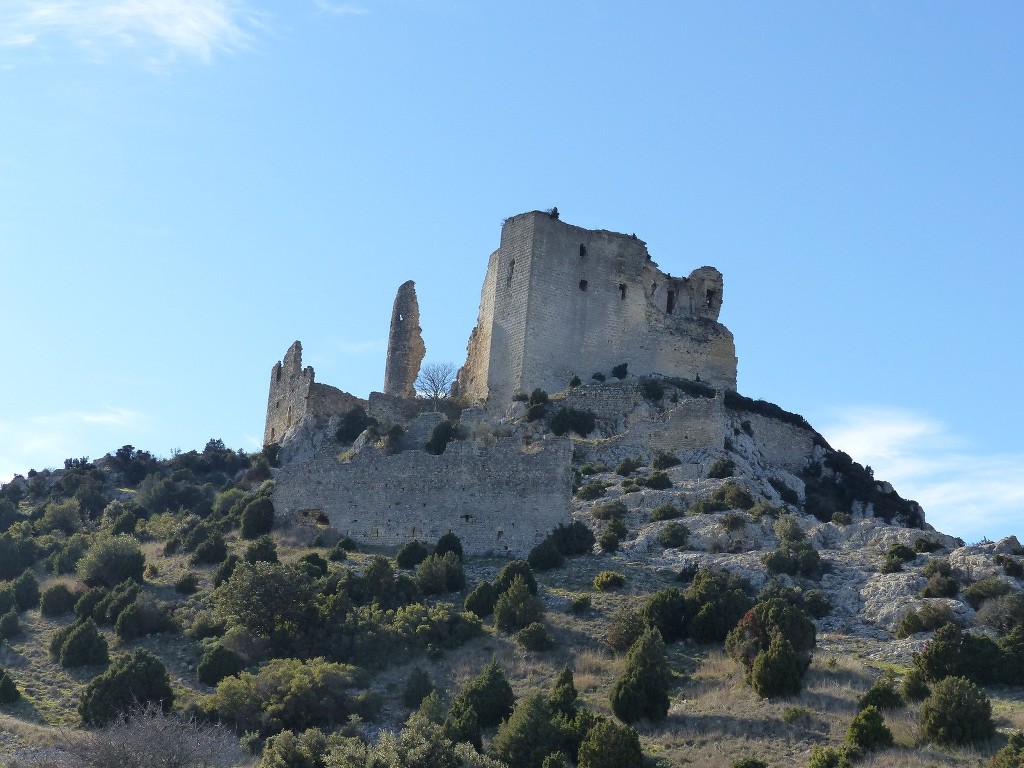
{"x":588,"y":301}
{"x":500,"y":500}
{"x":294,"y":394}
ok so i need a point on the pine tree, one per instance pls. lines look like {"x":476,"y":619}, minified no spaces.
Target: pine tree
{"x":529,"y":735}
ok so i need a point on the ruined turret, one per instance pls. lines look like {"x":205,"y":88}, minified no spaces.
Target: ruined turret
{"x":405,"y":344}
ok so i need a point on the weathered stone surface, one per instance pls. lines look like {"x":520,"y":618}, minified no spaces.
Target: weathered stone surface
{"x":498,"y":500}
{"x":559,"y":301}
{"x":405,"y":344}
{"x":294,"y":394}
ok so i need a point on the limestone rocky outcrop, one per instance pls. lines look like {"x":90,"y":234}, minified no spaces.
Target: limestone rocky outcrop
{"x":405,"y":344}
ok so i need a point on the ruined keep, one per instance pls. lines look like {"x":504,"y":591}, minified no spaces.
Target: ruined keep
{"x":560,"y":301}
{"x":405,"y":344}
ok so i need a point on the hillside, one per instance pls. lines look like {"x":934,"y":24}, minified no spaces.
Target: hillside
{"x":273,"y":623}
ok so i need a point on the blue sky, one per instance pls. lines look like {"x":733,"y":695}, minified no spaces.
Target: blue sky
{"x":188,"y":186}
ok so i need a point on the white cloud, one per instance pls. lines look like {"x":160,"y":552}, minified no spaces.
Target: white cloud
{"x":964,"y":492}
{"x":197,"y":28}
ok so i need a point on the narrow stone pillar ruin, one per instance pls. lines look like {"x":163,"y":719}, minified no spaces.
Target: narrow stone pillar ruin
{"x":405,"y":344}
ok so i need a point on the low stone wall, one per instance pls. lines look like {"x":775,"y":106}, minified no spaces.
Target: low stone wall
{"x":499,"y":500}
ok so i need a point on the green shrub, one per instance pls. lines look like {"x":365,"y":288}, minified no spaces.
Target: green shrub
{"x":620,"y":371}
{"x":609,"y":510}
{"x":535,"y":637}
{"x":657,"y":480}
{"x":777,"y":672}
{"x":609,"y":540}
{"x":914,"y":686}
{"x":891,"y":564}
{"x":940,"y":586}
{"x":722,"y":468}
{"x":788,"y":529}
{"x":287,"y":694}
{"x":26,"y":591}
{"x":573,"y":420}
{"x":732,"y":522}
{"x":901,"y":552}
{"x":352,"y":424}
{"x":1011,"y":566}
{"x":642,"y":691}
{"x":217,"y":663}
{"x":573,"y":539}
{"x":141,"y":618}
{"x":545,"y":556}
{"x":83,"y":646}
{"x":938,"y":566}
{"x":87,"y":601}
{"x":1010,"y":756}
{"x":749,"y":762}
{"x":674,"y":535}
{"x":666,"y":511}
{"x":628,"y":465}
{"x":261,"y":550}
{"x":928,"y":617}
{"x":952,"y":653}
{"x":529,"y":735}
{"x":830,"y":757}
{"x":817,"y":604}
{"x":438,"y":575}
{"x":9,"y":625}
{"x":868,"y":731}
{"x":482,"y":599}
{"x":610,"y":745}
{"x":986,"y":589}
{"x":625,"y":628}
{"x":774,"y":617}
{"x":257,"y":518}
{"x":111,"y":560}
{"x":314,"y":565}
{"x":580,"y":604}
{"x":536,"y":411}
{"x":288,"y":750}
{"x":440,"y":436}
{"x":338,"y":552}
{"x":510,"y":571}
{"x":882,"y":694}
{"x":417,"y":687}
{"x":957,"y":712}
{"x":490,"y":695}
{"x":795,"y":558}
{"x":9,"y":692}
{"x":590,"y":491}
{"x":606,"y":581}
{"x":411,"y":554}
{"x":448,"y":543}
{"x":652,"y":390}
{"x":56,"y":600}
{"x":211,"y":550}
{"x":1002,"y":613}
{"x":517,"y":607}
{"x":116,"y":600}
{"x":668,"y":612}
{"x":187,"y":584}
{"x":664,"y":460}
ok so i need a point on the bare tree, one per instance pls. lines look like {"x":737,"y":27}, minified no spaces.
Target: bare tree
{"x":145,"y":738}
{"x":435,"y":380}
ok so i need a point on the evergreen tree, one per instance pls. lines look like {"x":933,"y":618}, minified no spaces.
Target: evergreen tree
{"x":132,"y":680}
{"x":490,"y":695}
{"x":610,"y":745}
{"x":642,"y":691}
{"x":529,"y":735}
{"x":563,"y":697}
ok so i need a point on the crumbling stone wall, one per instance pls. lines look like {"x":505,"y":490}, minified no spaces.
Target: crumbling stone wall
{"x":497,"y":500}
{"x":560,"y":300}
{"x":405,"y":344}
{"x":294,"y":394}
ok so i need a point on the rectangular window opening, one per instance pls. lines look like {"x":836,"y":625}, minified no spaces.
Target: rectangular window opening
{"x":583,"y":285}
{"x":622,"y":290}
{"x":671,"y":302}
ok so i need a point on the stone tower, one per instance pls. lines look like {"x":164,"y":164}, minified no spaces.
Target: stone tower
{"x":560,"y":301}
{"x":405,"y":344}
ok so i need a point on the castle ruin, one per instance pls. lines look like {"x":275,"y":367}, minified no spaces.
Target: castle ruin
{"x":558,"y":303}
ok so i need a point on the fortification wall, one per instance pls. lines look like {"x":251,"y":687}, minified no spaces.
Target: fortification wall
{"x":780,"y":444}
{"x":500,"y":500}
{"x":561,"y":300}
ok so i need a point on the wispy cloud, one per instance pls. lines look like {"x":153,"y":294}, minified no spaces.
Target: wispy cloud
{"x":45,"y":440}
{"x":966,"y":492}
{"x":341,"y":9}
{"x":197,"y":28}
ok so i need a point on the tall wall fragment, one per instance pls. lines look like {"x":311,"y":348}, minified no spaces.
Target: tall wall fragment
{"x":405,"y":344}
